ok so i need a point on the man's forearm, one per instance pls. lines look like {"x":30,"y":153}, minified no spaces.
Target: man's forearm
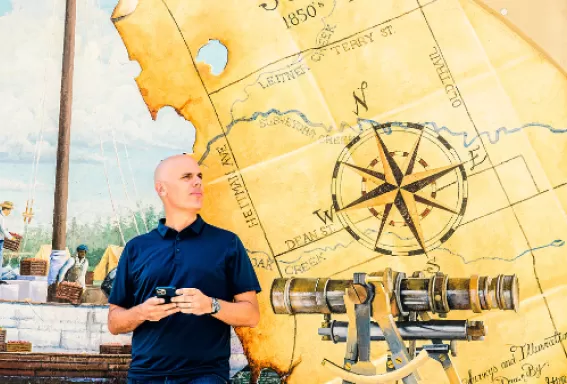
{"x":6,"y":233}
{"x":239,"y":314}
{"x":122,"y":320}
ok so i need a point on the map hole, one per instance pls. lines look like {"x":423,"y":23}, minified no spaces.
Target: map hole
{"x":215,"y":54}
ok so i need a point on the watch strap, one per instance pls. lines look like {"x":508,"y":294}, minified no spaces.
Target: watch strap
{"x":215,"y":306}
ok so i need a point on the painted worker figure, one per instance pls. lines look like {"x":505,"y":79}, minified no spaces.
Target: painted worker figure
{"x":188,"y":340}
{"x":75,"y":269}
{"x":7,"y":207}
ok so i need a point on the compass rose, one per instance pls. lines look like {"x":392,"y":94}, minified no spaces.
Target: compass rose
{"x":404,"y":189}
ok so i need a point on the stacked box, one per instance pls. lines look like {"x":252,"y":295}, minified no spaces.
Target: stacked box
{"x":2,"y":340}
{"x":111,"y":348}
{"x":18,"y":346}
{"x":12,"y":245}
{"x":69,"y":291}
{"x":89,"y":278}
{"x":116,"y":349}
{"x":33,"y":267}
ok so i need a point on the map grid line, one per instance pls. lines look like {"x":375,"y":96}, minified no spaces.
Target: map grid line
{"x":293,"y":349}
{"x":497,"y":176}
{"x":316,"y":48}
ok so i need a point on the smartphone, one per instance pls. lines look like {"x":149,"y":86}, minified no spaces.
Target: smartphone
{"x":166,"y":293}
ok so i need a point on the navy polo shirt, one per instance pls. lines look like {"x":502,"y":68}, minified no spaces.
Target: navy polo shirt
{"x":201,"y":256}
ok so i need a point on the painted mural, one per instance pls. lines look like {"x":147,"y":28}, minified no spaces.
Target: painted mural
{"x":395,"y":171}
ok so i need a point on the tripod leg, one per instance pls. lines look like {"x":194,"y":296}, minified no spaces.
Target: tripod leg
{"x":383,"y":316}
{"x":390,"y":367}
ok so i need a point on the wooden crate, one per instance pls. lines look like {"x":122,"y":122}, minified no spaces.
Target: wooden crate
{"x":33,"y":267}
{"x":111,"y":349}
{"x":115,"y":349}
{"x":18,"y":346}
{"x":89,"y":278}
{"x":12,"y":245}
{"x":69,"y":291}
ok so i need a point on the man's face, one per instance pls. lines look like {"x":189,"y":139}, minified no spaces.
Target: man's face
{"x":6,"y":211}
{"x":183,"y":185}
{"x":81,"y":254}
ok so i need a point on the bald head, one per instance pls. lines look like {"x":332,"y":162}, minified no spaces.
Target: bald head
{"x":168,"y":167}
{"x":178,"y":182}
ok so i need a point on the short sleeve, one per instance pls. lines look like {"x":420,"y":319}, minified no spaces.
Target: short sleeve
{"x":241,"y":275}
{"x":122,"y":290}
{"x":64,"y":269}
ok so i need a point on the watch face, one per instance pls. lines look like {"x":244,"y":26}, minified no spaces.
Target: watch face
{"x":216,"y":306}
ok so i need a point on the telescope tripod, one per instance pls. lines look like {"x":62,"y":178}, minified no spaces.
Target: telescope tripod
{"x":374,"y":302}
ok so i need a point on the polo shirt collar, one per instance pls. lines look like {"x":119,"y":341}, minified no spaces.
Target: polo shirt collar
{"x":196,"y":227}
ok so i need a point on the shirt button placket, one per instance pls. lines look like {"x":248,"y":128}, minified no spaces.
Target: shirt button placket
{"x":177,"y":249}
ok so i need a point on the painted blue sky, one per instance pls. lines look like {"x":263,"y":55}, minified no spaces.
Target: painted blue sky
{"x":5,"y":6}
{"x":107,"y":106}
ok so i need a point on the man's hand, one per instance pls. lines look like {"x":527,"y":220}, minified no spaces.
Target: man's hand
{"x":192,"y":300}
{"x":154,"y":309}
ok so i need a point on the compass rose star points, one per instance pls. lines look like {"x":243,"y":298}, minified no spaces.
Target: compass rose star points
{"x":417,"y":181}
{"x":407,"y":207}
{"x":393,"y":173}
{"x":376,"y":177}
{"x":407,"y":168}
{"x":399,"y":186}
{"x":384,"y":194}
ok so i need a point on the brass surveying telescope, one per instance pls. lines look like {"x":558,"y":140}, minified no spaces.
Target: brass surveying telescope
{"x":387,"y":295}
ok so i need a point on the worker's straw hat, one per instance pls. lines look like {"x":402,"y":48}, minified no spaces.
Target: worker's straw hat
{"x":7,"y":205}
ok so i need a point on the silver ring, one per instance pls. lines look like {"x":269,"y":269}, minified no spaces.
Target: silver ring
{"x":319,"y":297}
{"x":286,"y":298}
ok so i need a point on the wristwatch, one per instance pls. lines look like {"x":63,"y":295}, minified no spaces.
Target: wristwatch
{"x":215,"y":306}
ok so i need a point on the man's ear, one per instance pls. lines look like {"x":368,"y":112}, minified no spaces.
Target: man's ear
{"x":160,"y":189}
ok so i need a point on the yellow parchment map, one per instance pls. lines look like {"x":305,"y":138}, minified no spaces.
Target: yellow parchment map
{"x":353,"y":135}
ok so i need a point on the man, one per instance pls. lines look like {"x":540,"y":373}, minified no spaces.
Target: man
{"x":188,"y":340}
{"x":7,"y":207}
{"x":75,"y":269}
